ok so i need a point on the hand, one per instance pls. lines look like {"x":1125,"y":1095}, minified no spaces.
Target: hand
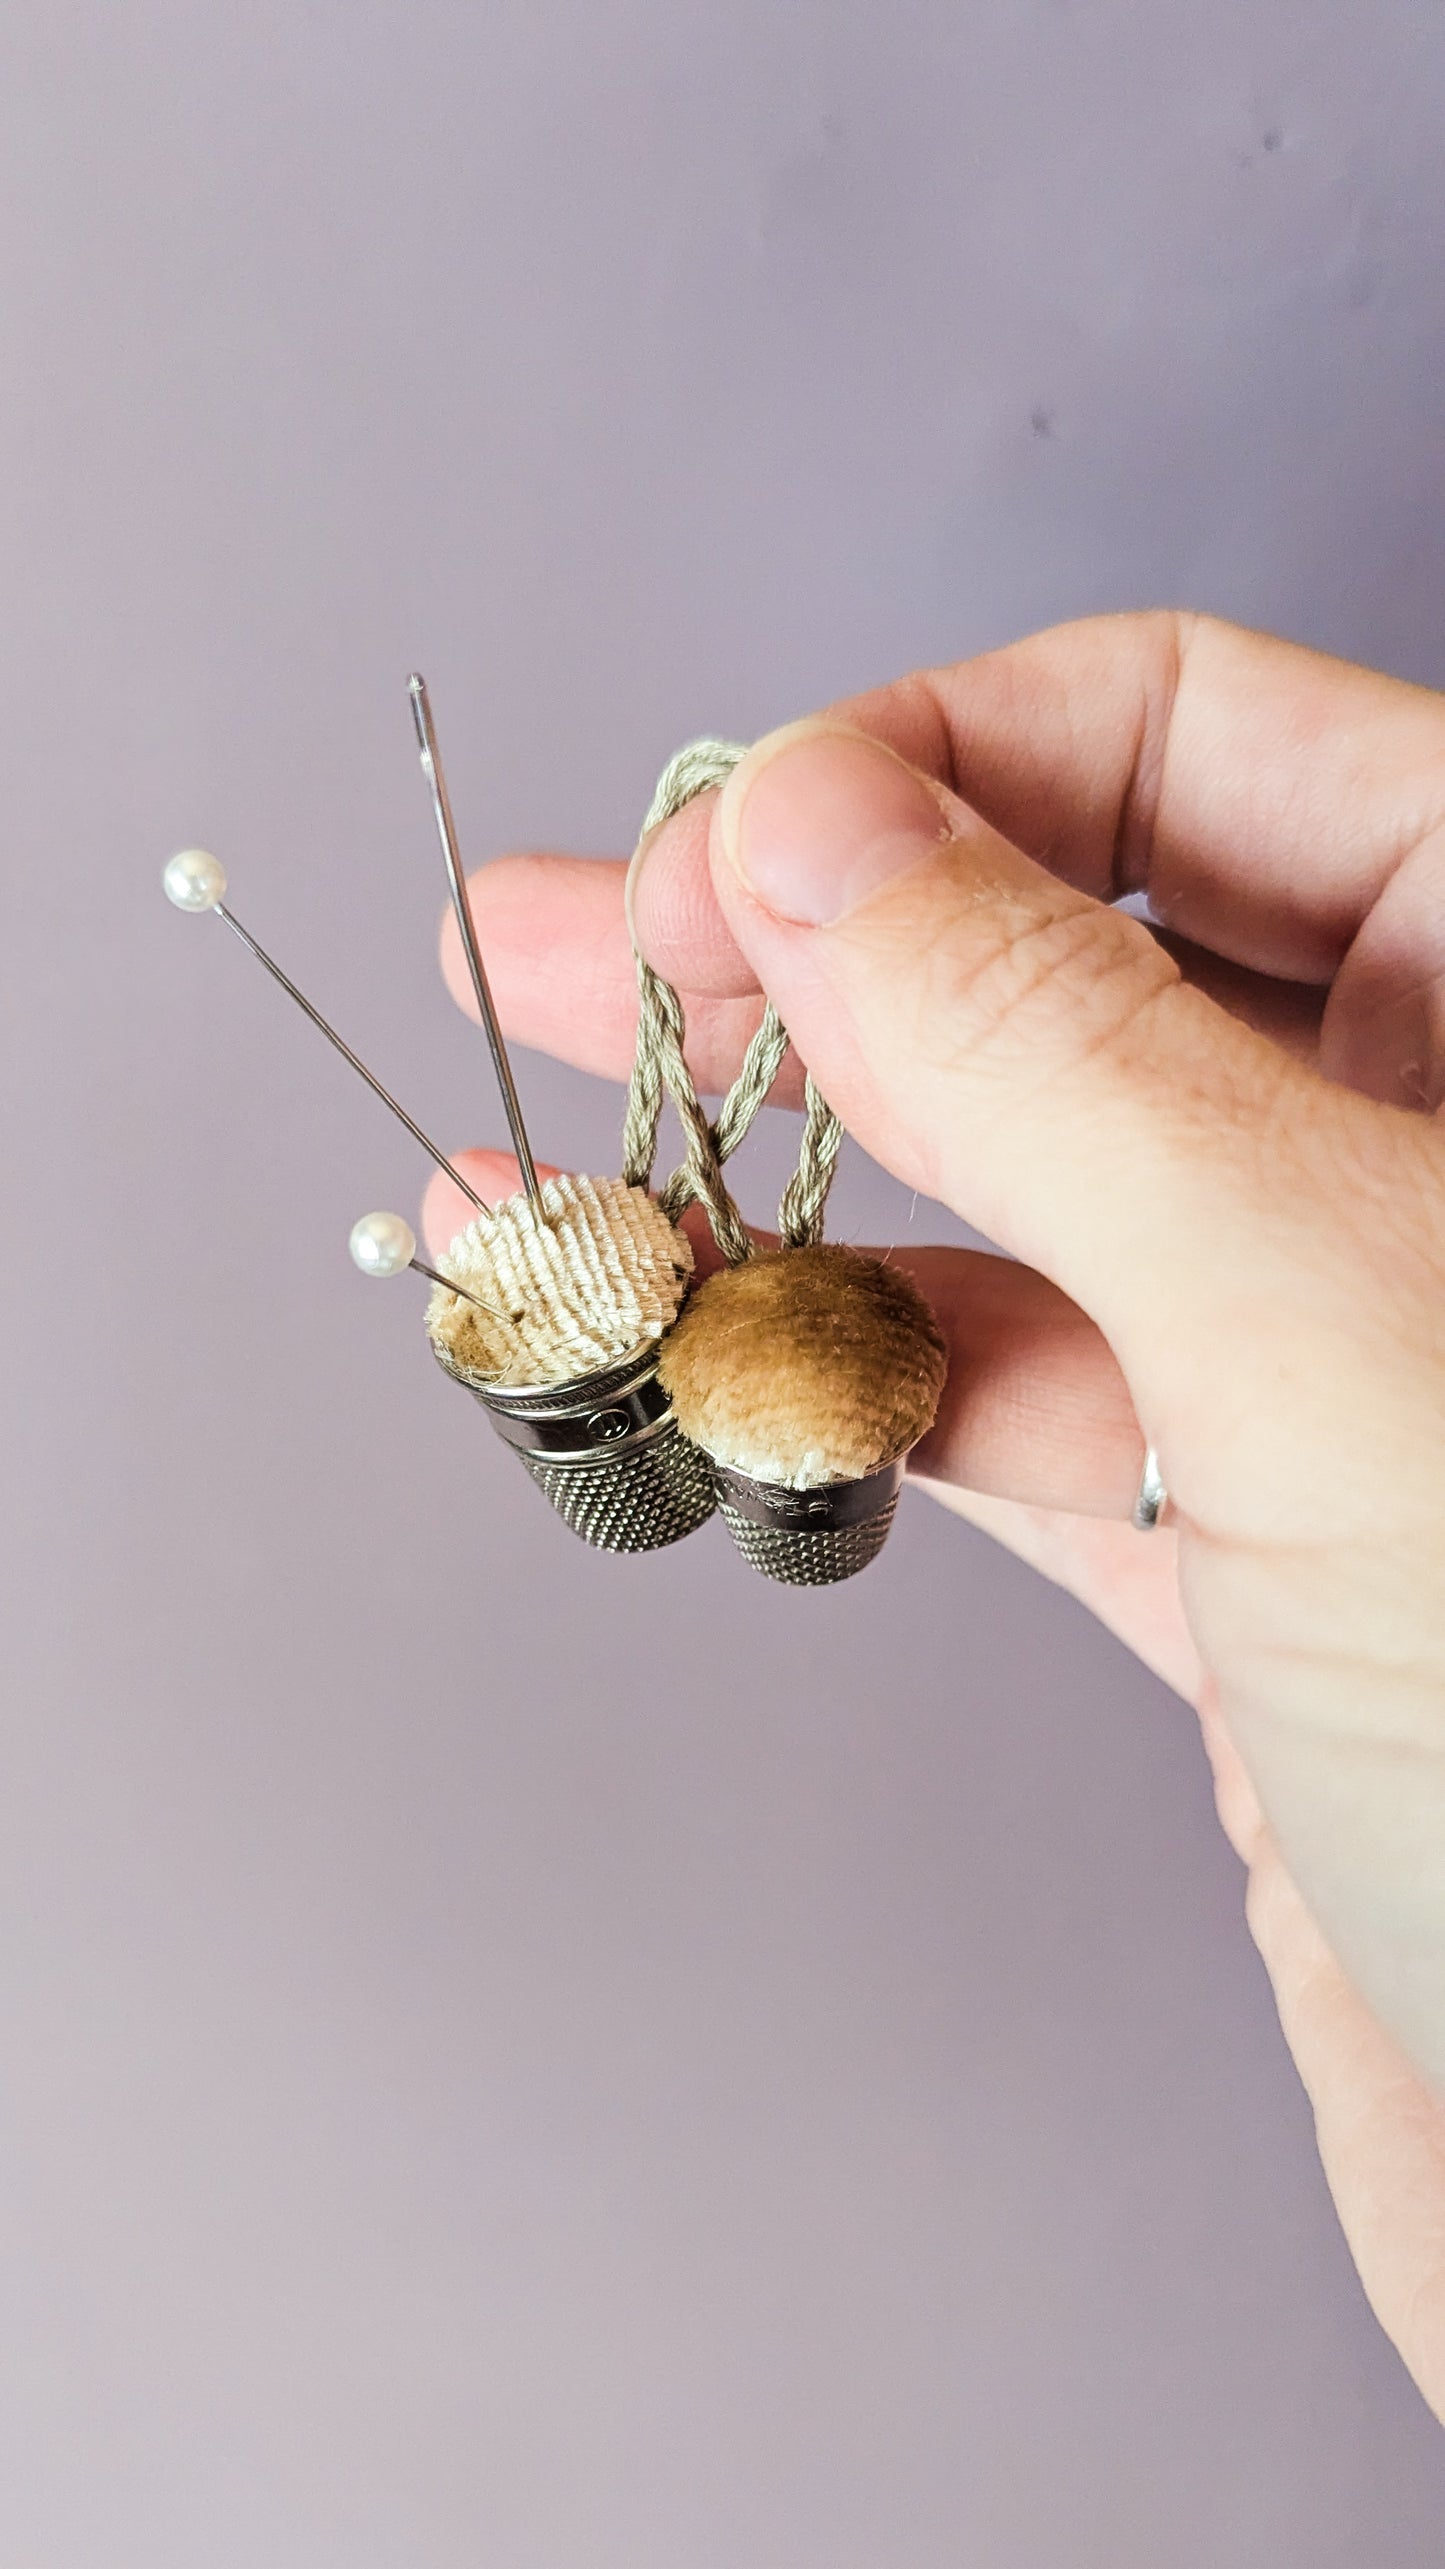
{"x":1212,"y":1153}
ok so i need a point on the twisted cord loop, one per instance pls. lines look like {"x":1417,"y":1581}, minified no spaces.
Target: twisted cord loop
{"x":660,"y":1069}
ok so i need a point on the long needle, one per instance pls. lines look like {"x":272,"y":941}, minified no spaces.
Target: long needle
{"x":332,"y":1037}
{"x":461,"y":903}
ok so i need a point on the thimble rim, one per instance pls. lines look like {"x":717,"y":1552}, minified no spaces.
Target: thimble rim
{"x":826,"y":1505}
{"x":611,"y":1377}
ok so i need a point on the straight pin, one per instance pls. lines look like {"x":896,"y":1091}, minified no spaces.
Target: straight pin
{"x":461,"y":903}
{"x":384,"y":1244}
{"x":197,"y":881}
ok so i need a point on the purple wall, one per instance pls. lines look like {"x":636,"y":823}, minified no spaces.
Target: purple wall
{"x":484,"y":2081}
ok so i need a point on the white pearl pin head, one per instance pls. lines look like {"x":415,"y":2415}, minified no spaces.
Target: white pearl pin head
{"x":195,"y":880}
{"x":382,"y":1244}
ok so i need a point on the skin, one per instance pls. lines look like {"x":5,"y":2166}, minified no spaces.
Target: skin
{"x":1212,"y":1153}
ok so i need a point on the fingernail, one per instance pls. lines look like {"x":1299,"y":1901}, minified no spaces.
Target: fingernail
{"x":814,"y":821}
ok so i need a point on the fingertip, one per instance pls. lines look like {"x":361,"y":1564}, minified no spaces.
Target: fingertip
{"x":673,"y":915}
{"x":727,"y":816}
{"x":481,"y":896}
{"x":454,"y":965}
{"x":817,"y":818}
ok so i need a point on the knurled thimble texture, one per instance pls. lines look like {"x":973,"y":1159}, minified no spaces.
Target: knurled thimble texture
{"x":810,"y":1556}
{"x":633,"y":1502}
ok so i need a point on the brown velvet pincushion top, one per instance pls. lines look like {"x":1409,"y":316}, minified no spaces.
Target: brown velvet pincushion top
{"x":805,"y":1366}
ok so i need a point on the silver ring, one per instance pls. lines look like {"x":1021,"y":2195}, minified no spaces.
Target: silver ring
{"x":1153,"y":1497}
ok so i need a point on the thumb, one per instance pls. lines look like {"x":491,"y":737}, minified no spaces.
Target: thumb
{"x":1030,"y":1057}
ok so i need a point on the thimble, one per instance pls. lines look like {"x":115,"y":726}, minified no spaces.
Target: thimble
{"x":809,"y":1538}
{"x":807,"y":1374}
{"x":560,"y":1345}
{"x":608,"y":1452}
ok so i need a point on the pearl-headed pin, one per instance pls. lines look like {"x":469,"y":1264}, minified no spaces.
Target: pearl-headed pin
{"x":195,"y":880}
{"x":384,"y":1244}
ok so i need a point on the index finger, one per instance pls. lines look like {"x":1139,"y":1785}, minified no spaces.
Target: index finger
{"x":1259,"y":793}
{"x":1266,"y":799}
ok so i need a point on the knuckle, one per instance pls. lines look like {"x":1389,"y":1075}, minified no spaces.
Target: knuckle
{"x":1020,"y":991}
{"x":1379,"y":1173}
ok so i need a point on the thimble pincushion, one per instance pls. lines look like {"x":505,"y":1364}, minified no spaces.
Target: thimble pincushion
{"x":560,"y":1346}
{"x":600,"y":1279}
{"x":805,"y":1366}
{"x":807,"y":1374}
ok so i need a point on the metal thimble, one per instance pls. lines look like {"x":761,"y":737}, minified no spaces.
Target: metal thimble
{"x":608,"y":1452}
{"x":809,"y":1538}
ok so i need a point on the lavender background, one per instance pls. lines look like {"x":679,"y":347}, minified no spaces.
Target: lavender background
{"x":488,"y":2075}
